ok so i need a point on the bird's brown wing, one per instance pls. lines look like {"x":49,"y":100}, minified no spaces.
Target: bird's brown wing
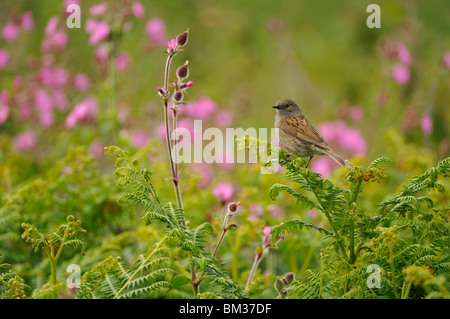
{"x":298,"y":126}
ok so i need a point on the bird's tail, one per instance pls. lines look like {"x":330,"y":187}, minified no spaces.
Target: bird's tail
{"x":338,"y":159}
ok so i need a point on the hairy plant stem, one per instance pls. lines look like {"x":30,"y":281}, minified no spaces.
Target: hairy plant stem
{"x":173,"y":166}
{"x":256,"y":262}
{"x":140,"y":267}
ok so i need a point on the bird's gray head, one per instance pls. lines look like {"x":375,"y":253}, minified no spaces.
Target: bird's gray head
{"x":287,"y":108}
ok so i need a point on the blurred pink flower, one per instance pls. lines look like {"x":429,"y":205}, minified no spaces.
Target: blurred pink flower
{"x":18,"y":82}
{"x":69,"y":2}
{"x":256,"y":209}
{"x":403,"y":54}
{"x":356,"y":113}
{"x":44,"y":105}
{"x":122,"y":61}
{"x":98,"y":30}
{"x":201,"y":109}
{"x":161,"y":131}
{"x":313,"y":213}
{"x":99,"y":8}
{"x":139,"y":138}
{"x":4,"y":58}
{"x":82,"y":112}
{"x":156,"y":30}
{"x":446,"y":60}
{"x":266,"y":231}
{"x":52,"y":25}
{"x":10,"y":32}
{"x":223,"y":118}
{"x":339,"y":134}
{"x":81,"y":82}
{"x":96,"y":149}
{"x":4,"y":112}
{"x":275,"y":211}
{"x":54,"y":41}
{"x":138,"y":9}
{"x":426,"y":124}
{"x":54,"y":77}
{"x":24,"y":141}
{"x":60,"y":100}
{"x":322,"y":166}
{"x":400,"y":74}
{"x":205,"y":172}
{"x":223,"y":191}
{"x":101,"y":54}
{"x":27,"y":21}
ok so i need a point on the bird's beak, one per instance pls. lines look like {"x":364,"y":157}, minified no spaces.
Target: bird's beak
{"x":276,"y":107}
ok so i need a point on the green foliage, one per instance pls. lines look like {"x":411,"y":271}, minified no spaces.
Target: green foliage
{"x":408,"y":230}
{"x":11,"y":285}
{"x":190,"y":240}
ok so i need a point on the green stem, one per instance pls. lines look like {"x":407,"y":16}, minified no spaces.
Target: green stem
{"x":408,"y":288}
{"x":253,"y":270}
{"x":140,"y":267}
{"x":330,"y":220}
{"x":392,"y":264}
{"x":312,"y":248}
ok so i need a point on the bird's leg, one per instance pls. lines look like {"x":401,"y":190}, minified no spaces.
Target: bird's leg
{"x":310,"y":158}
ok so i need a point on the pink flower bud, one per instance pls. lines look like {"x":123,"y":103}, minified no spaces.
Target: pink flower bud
{"x":183,"y":71}
{"x":183,"y":38}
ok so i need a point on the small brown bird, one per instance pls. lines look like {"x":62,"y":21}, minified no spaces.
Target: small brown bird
{"x":298,"y":135}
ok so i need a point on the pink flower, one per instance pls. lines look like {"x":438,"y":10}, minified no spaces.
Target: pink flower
{"x":122,"y":61}
{"x":96,"y":149}
{"x":101,"y":54}
{"x":4,"y":59}
{"x":275,"y":211}
{"x":313,"y":213}
{"x":403,"y":54}
{"x":426,"y":124}
{"x":69,"y":2}
{"x":52,"y":25}
{"x":60,"y":100}
{"x":24,"y":141}
{"x":205,"y":173}
{"x":171,"y":45}
{"x":223,"y":118}
{"x":98,"y":30}
{"x":4,"y":112}
{"x":446,"y":60}
{"x":138,"y":9}
{"x":10,"y":32}
{"x":83,"y":111}
{"x":44,"y":106}
{"x":54,"y":77}
{"x":161,"y":131}
{"x":223,"y":191}
{"x":256,"y":209}
{"x":99,"y":8}
{"x":400,"y":74}
{"x":340,"y":134}
{"x":139,"y":138}
{"x":201,"y":109}
{"x":156,"y":30}
{"x":266,"y":231}
{"x":81,"y":82}
{"x":57,"y":40}
{"x":322,"y":166}
{"x":356,"y":113}
{"x":27,"y":21}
